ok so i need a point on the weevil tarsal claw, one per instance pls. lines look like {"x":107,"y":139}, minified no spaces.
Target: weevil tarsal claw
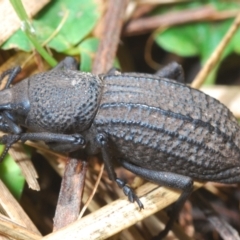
{"x":8,"y":140}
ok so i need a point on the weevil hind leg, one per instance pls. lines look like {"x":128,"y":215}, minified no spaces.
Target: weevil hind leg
{"x":113,"y":71}
{"x":173,"y":71}
{"x":102,"y":142}
{"x":68,"y":63}
{"x":167,"y":179}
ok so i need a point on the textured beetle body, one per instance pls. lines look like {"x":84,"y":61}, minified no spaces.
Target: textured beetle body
{"x":67,"y":104}
{"x":164,"y":125}
{"x":158,"y":128}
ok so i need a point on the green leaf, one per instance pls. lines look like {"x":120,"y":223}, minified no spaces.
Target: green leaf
{"x":87,"y":50}
{"x":29,"y":31}
{"x":196,"y":39}
{"x":199,"y":39}
{"x":179,"y":42}
{"x":11,"y":175}
{"x":18,"y":40}
{"x":81,"y":18}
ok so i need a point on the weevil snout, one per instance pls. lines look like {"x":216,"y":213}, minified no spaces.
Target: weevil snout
{"x":6,"y":98}
{"x":14,"y":107}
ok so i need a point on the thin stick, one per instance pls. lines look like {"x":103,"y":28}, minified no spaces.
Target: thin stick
{"x":148,"y":24}
{"x":110,"y":36}
{"x":70,"y":196}
{"x":216,"y":55}
{"x":54,"y":33}
{"x":93,"y":192}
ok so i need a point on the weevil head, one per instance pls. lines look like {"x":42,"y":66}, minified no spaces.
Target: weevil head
{"x":4,"y":126}
{"x":14,"y":106}
{"x":60,"y":101}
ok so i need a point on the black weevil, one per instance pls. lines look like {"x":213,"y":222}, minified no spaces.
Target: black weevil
{"x":158,"y":128}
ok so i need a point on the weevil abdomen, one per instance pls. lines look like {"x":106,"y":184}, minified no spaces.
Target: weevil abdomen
{"x":164,"y":125}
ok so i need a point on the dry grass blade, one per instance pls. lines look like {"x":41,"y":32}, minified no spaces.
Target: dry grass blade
{"x":93,"y":192}
{"x":24,"y":162}
{"x":117,"y":215}
{"x":15,"y":231}
{"x":18,"y":154}
{"x":14,"y":210}
{"x":228,"y":95}
{"x":216,"y":55}
{"x":9,"y":20}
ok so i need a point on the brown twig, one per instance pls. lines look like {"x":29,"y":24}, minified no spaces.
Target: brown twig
{"x":68,"y":206}
{"x":223,"y":228}
{"x":70,"y":195}
{"x":110,"y":36}
{"x":147,"y":24}
{"x":22,"y":159}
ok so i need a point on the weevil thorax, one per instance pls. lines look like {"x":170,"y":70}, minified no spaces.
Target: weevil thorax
{"x":63,"y":101}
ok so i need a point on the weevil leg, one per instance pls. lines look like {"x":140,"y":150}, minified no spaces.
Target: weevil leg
{"x":77,"y":141}
{"x":63,"y":147}
{"x":14,"y":128}
{"x":8,"y":143}
{"x":102,"y":142}
{"x":167,"y":179}
{"x":173,"y":71}
{"x":8,"y":125}
{"x":113,"y":71}
{"x":13,"y":72}
{"x":68,"y":63}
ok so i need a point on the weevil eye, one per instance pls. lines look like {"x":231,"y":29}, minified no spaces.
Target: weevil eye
{"x":7,"y":123}
{"x":14,"y":107}
{"x":3,"y":124}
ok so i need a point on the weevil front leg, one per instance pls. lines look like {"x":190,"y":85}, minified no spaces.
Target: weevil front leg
{"x":167,"y":179}
{"x":7,"y":124}
{"x":102,"y":142}
{"x":12,"y":73}
{"x":74,"y":141}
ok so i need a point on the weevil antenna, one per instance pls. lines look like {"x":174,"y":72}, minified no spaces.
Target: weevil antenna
{"x":13,"y":72}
